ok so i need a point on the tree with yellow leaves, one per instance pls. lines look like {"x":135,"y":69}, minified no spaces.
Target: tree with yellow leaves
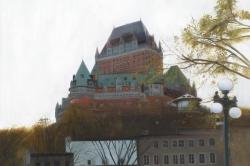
{"x":213,"y":41}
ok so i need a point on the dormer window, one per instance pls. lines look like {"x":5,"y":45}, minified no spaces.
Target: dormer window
{"x":115,"y":50}
{"x":109,"y":51}
{"x":134,"y":44}
{"x":128,"y":46}
{"x":121,"y":48}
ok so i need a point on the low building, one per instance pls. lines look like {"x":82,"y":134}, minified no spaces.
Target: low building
{"x":49,"y":159}
{"x":102,"y":152}
{"x":189,"y":147}
{"x":186,"y":102}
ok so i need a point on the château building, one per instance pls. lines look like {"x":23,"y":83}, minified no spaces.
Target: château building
{"x":128,"y":69}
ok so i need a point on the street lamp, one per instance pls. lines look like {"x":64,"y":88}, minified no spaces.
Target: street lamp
{"x":228,"y":107}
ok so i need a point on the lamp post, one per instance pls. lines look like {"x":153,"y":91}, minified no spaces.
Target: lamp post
{"x":228,"y":107}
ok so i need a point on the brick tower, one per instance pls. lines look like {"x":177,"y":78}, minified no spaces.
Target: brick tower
{"x":129,"y":49}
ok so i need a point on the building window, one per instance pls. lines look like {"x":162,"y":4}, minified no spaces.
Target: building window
{"x":134,"y":44}
{"x":156,"y":159}
{"x":211,"y":141}
{"x":175,"y":159}
{"x":201,"y":142}
{"x":121,"y":48}
{"x":109,"y":51}
{"x":212,"y":158}
{"x":174,"y":143}
{"x":82,"y":75}
{"x":202,"y":158}
{"x":181,"y":143}
{"x":115,"y":50}
{"x":146,"y":160}
{"x":38,"y":164}
{"x":166,"y":159}
{"x":191,"y":159}
{"x":182,"y":159}
{"x":165,"y":144}
{"x":128,"y":46}
{"x":155,"y":144}
{"x":191,"y":143}
{"x":89,"y":162}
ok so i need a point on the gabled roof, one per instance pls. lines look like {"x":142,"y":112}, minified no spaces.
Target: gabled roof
{"x":175,"y":79}
{"x":82,"y":75}
{"x":137,"y":28}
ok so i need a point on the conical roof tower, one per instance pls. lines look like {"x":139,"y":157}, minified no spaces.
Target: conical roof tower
{"x":82,"y":75}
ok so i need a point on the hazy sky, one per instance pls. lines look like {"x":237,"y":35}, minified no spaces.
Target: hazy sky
{"x":42,"y":43}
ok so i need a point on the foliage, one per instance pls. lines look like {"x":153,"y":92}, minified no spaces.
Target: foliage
{"x":12,"y":146}
{"x":212,"y":42}
{"x":90,"y":125}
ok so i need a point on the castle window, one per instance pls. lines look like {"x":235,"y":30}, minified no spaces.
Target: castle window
{"x":146,"y":160}
{"x":121,"y":48}
{"x":182,"y":159}
{"x":191,"y":159}
{"x":211,"y":142}
{"x":155,"y":144}
{"x":181,"y":143}
{"x":175,"y":159}
{"x":166,"y":159}
{"x":174,"y":143}
{"x":128,"y":46}
{"x":134,"y":44}
{"x":191,"y":143}
{"x":115,"y":50}
{"x":201,"y":142}
{"x":165,"y":144}
{"x":109,"y":51}
{"x":212,"y":158}
{"x":202,"y":158}
{"x":156,"y":160}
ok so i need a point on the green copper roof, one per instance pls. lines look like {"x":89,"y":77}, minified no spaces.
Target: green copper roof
{"x":174,"y":78}
{"x":82,"y":75}
{"x":153,"y":77}
{"x":95,"y":70}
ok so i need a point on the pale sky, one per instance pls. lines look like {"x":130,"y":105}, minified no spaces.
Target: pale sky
{"x":42,"y":43}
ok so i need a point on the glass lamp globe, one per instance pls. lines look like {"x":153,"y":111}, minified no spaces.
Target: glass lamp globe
{"x":225,"y":84}
{"x":216,"y":108}
{"x":235,"y":112}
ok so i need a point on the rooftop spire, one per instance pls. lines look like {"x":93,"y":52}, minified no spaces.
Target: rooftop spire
{"x":82,"y":75}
